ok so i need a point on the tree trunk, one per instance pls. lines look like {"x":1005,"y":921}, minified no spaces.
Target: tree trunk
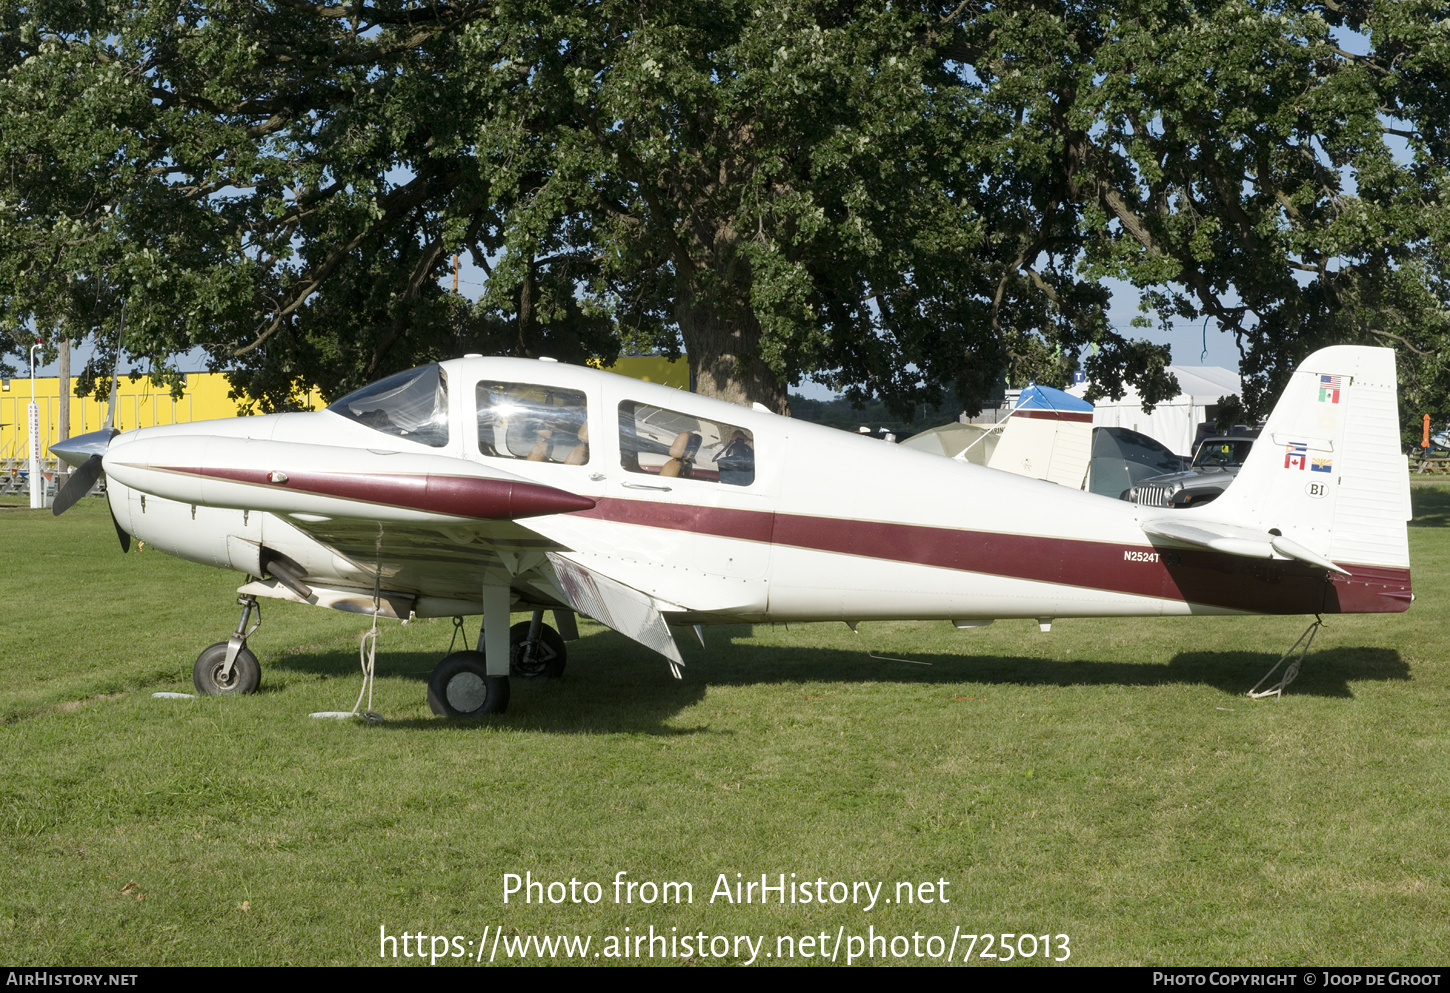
{"x":724,"y":354}
{"x":528,"y":293}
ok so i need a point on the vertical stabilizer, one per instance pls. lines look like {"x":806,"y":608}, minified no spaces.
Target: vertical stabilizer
{"x":1327,"y":471}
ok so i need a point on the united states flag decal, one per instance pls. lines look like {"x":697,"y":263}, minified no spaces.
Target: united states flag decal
{"x":1329,"y":387}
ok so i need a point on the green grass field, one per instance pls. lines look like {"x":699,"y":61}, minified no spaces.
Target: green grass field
{"x":1107,"y":781}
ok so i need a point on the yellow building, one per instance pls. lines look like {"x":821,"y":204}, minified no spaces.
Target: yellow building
{"x":139,"y":404}
{"x":653,"y":369}
{"x":142,"y":403}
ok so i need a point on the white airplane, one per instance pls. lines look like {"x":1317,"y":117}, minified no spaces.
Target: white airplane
{"x":491,"y":485}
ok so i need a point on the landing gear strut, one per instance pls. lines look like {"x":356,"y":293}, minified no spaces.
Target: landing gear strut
{"x":535,"y":649}
{"x":229,"y":668}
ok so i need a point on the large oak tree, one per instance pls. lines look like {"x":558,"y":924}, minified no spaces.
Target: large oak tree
{"x":911,"y":200}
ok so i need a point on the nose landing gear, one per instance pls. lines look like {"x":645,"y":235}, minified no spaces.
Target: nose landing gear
{"x":229,"y":668}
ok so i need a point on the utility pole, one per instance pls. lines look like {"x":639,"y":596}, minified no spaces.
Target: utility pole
{"x":37,"y":485}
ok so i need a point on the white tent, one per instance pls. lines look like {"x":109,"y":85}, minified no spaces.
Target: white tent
{"x":956,"y":439}
{"x":1173,"y":422}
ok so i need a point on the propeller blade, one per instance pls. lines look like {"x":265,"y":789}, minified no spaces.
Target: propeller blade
{"x":79,"y":485}
{"x":83,"y":451}
{"x":125,"y":538}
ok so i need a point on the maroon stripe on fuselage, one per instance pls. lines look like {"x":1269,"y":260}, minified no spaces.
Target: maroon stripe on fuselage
{"x":747,"y":525}
{"x":456,"y":496}
{"x":1191,"y":575}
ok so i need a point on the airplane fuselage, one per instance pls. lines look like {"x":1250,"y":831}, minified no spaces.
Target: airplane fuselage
{"x":718,"y":512}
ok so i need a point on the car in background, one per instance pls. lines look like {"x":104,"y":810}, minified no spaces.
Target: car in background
{"x":1122,"y":457}
{"x":1214,"y":467}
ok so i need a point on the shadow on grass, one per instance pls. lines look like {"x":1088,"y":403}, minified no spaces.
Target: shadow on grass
{"x":1431,"y":506}
{"x":1324,"y":673}
{"x":613,"y":685}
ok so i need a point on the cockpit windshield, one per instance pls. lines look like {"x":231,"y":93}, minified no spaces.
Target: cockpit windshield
{"x":411,"y":405}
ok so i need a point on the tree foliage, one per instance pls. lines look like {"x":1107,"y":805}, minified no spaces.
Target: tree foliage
{"x":1240,"y":164}
{"x":907,"y":200}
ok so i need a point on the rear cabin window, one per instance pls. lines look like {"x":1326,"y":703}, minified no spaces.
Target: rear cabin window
{"x":411,"y":405}
{"x":656,"y":441}
{"x":535,"y":423}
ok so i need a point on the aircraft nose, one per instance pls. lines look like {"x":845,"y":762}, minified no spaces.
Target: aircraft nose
{"x":78,"y":450}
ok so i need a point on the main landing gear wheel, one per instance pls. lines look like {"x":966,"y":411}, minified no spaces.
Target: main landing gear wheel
{"x":208,"y":673}
{"x":546,"y":659}
{"x":461,"y":687}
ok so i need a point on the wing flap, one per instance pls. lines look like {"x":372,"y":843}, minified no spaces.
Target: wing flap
{"x":615,"y":605}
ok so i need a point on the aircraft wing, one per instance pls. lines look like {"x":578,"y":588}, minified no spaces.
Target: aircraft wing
{"x":440,"y":570}
{"x":417,"y":533}
{"x":320,"y":481}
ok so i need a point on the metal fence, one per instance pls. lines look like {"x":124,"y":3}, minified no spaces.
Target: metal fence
{"x":15,"y":476}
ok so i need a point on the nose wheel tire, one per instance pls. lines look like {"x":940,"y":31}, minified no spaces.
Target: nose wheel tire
{"x":207,"y":677}
{"x":547,"y":659}
{"x":461,"y":687}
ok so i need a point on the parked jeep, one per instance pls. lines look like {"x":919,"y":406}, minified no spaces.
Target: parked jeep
{"x":1215,"y":465}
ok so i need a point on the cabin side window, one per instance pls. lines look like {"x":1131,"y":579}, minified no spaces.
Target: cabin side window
{"x":667,"y":443}
{"x":411,"y":405}
{"x":535,"y":423}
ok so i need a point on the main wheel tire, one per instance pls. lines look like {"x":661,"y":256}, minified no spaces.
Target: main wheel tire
{"x":206,"y":675}
{"x":461,"y":687}
{"x":548,"y":657}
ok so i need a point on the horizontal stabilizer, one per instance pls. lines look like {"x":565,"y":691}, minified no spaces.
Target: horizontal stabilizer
{"x":615,"y":605}
{"x":1219,"y":537}
{"x":1234,"y":540}
{"x":1294,"y":550}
